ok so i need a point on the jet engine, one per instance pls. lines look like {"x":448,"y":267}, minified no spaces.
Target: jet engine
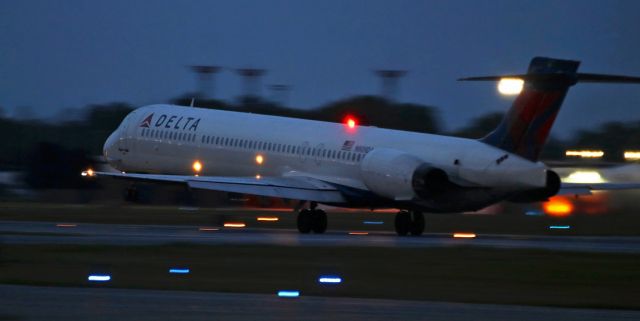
{"x":541,"y":194}
{"x":397,"y":175}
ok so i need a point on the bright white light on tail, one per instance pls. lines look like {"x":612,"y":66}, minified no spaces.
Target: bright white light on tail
{"x":510,"y":86}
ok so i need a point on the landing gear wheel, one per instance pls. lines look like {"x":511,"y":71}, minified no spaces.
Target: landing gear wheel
{"x":403,"y":223}
{"x":417,"y":223}
{"x":318,"y":221}
{"x":305,"y":221}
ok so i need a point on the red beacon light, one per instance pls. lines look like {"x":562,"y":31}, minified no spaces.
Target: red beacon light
{"x":351,"y":122}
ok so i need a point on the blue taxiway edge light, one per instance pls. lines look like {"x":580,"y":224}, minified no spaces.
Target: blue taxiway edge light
{"x":330,"y":279}
{"x":373,"y":222}
{"x":179,"y":271}
{"x":288,"y":293}
{"x":534,"y":213}
{"x":99,"y":278}
{"x":559,"y":227}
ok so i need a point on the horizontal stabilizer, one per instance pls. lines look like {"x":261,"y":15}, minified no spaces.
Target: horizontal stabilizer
{"x":579,"y":77}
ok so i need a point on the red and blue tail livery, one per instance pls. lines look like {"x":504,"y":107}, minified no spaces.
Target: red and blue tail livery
{"x":526,"y":125}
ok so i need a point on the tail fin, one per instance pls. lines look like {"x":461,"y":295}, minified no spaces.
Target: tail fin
{"x":525,"y":127}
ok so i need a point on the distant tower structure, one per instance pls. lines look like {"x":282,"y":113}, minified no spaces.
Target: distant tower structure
{"x":280,"y":94}
{"x":251,"y":81}
{"x":205,"y":75}
{"x":390,"y":79}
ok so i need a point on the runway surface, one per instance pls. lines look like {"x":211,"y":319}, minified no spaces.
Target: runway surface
{"x":25,"y":232}
{"x":57,"y":303}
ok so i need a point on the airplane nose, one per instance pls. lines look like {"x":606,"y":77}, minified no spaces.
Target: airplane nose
{"x":110,"y":148}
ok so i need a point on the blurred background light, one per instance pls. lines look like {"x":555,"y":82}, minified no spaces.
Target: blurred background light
{"x":584,"y":153}
{"x":584,"y":177}
{"x":510,"y":86}
{"x":631,"y":155}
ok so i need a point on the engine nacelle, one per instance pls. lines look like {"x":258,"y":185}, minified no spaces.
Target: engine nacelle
{"x":397,"y":175}
{"x":541,"y":194}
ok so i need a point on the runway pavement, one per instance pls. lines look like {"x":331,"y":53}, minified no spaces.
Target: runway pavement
{"x":58,"y":303}
{"x":26,"y":232}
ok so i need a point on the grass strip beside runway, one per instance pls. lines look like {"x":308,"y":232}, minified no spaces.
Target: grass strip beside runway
{"x":530,"y":277}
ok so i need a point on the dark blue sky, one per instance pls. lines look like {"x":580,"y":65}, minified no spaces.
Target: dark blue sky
{"x":67,"y":54}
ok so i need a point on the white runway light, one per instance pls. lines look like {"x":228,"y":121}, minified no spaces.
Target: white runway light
{"x":99,"y":278}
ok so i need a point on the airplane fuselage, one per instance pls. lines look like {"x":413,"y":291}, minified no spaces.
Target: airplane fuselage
{"x":167,"y":139}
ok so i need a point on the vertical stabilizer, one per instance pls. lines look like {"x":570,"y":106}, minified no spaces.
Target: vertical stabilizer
{"x":526,"y":126}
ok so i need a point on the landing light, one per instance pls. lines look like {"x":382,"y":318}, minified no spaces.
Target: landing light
{"x":510,"y":86}
{"x":89,"y":172}
{"x":259,"y":159}
{"x":197,"y":166}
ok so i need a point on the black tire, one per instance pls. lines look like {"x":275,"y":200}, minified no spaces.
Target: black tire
{"x":304,"y":221}
{"x":417,"y":224}
{"x":318,"y":221}
{"x":403,"y":223}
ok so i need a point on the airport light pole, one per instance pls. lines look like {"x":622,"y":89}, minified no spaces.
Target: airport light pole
{"x":390,"y":79}
{"x":205,"y":75}
{"x":251,"y":81}
{"x":280,"y":93}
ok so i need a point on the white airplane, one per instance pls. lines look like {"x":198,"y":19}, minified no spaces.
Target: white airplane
{"x":355,"y":166}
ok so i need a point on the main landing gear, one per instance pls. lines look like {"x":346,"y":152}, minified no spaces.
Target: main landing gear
{"x":409,"y":222}
{"x":312,"y":219}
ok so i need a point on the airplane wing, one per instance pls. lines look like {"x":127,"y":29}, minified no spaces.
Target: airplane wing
{"x":298,"y":188}
{"x":587,"y":188}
